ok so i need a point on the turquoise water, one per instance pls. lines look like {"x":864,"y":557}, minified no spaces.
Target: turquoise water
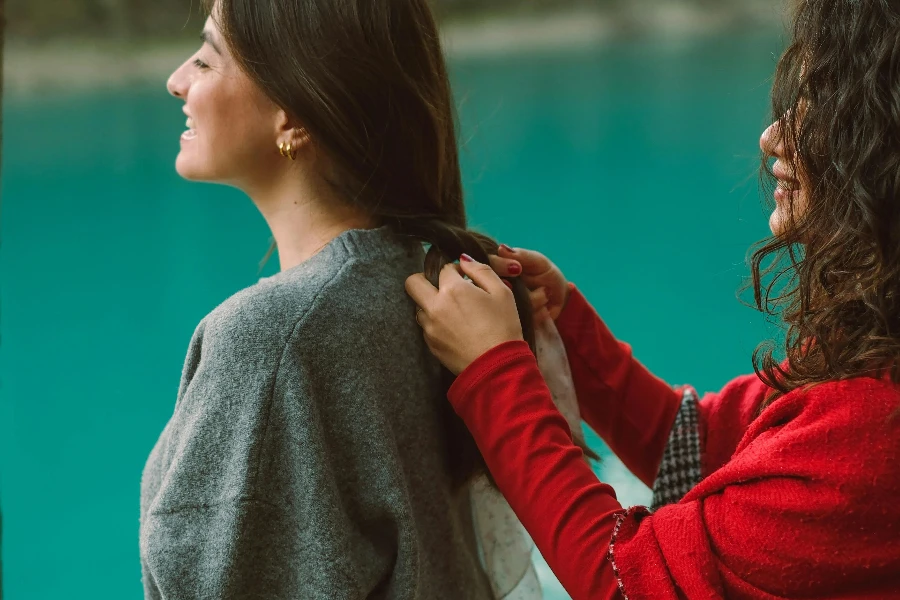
{"x":632,"y":165}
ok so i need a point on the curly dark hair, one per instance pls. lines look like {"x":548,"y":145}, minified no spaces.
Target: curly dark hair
{"x":834,"y":273}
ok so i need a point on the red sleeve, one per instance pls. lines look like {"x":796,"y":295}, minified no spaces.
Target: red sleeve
{"x":794,"y":512}
{"x":630,"y":408}
{"x":568,"y":512}
{"x":725,"y":417}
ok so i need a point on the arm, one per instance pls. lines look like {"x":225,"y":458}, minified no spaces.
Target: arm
{"x":568,"y":512}
{"x":630,"y":408}
{"x":792,"y":513}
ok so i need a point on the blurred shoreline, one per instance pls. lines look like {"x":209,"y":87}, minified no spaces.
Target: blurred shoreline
{"x":82,"y":64}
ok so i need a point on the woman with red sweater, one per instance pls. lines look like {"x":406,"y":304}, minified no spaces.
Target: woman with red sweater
{"x":785,"y":484}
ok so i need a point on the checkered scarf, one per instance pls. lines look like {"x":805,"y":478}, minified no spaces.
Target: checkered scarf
{"x":680,"y":471}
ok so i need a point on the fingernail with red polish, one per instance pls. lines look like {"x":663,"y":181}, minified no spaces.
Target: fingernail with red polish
{"x":514,"y":269}
{"x":466,"y":258}
{"x":507,"y":248}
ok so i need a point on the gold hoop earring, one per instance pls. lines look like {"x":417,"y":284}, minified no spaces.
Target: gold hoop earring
{"x":287,"y":150}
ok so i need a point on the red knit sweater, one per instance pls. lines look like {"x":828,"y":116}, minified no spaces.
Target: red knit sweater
{"x":801,"y":501}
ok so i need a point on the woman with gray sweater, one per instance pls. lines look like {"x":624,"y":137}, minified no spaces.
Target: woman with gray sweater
{"x":311,"y":453}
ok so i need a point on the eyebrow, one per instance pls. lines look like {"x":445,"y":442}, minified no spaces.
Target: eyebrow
{"x":206,"y":36}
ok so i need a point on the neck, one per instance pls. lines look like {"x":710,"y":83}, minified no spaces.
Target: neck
{"x":304,"y":216}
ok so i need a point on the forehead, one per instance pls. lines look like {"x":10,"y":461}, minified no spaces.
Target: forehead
{"x":212,"y":36}
{"x":210,"y":26}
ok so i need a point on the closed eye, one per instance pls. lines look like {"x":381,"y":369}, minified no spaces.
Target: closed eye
{"x":200,"y":64}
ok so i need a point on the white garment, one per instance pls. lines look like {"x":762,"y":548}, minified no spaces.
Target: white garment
{"x":505,"y":547}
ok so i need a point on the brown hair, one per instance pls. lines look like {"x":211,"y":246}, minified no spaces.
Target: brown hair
{"x":835,"y":273}
{"x":367,"y":79}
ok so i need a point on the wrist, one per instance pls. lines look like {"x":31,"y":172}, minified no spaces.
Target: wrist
{"x":483,"y":366}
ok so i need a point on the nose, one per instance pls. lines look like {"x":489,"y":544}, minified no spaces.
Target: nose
{"x":770,"y":142}
{"x":179,"y":82}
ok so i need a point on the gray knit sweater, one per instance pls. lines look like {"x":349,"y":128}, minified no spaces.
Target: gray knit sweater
{"x":305,"y":457}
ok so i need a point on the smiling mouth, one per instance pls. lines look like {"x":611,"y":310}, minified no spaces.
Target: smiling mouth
{"x":191,"y":133}
{"x":787,"y":190}
{"x":788,"y":185}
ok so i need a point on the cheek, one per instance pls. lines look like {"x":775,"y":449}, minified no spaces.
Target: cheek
{"x":237,"y":132}
{"x":232,"y":135}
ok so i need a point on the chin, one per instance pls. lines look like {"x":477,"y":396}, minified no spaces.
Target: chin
{"x":189,"y":169}
{"x":775,"y":223}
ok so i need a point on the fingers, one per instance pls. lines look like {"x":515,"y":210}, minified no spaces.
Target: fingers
{"x":482,"y":275}
{"x":506,"y":267}
{"x":534,"y":263}
{"x":542,"y":315}
{"x":421,"y":318}
{"x":539,"y":299}
{"x":451,"y":274}
{"x":420,"y":290}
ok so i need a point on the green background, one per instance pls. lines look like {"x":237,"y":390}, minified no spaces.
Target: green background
{"x":632,"y":165}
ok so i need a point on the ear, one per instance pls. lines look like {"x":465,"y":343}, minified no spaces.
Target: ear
{"x":290,"y":131}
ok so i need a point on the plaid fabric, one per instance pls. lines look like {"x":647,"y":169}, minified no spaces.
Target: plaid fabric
{"x":679,"y":471}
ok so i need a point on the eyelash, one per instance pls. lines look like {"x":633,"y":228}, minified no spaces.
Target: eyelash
{"x":200,"y":64}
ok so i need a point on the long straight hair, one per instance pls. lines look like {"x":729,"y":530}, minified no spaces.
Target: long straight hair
{"x":368,"y":81}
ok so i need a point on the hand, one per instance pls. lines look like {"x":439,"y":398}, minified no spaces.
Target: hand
{"x":549,"y":287}
{"x":464,"y":319}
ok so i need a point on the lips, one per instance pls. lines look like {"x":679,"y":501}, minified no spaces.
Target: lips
{"x":786,"y":183}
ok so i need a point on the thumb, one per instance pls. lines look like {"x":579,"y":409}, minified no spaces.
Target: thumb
{"x":481,"y":274}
